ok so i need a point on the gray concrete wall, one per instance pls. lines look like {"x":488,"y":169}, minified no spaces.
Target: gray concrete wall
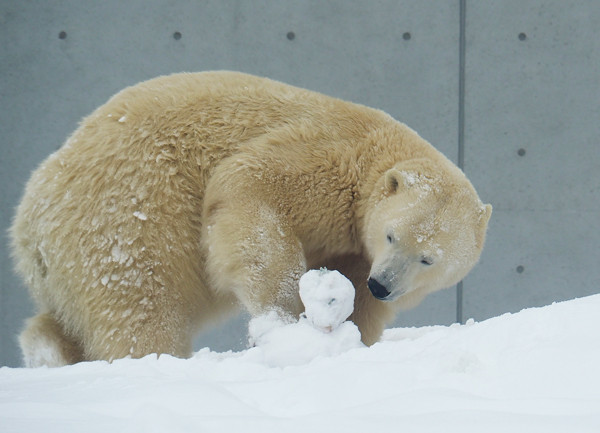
{"x":529,"y":132}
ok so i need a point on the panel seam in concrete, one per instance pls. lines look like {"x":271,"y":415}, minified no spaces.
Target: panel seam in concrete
{"x":461,"y":126}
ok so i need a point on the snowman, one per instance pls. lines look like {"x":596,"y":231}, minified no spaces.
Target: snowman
{"x":321,"y":331}
{"x":328,"y":298}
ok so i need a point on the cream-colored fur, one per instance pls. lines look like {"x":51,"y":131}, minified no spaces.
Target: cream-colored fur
{"x":186,"y":196}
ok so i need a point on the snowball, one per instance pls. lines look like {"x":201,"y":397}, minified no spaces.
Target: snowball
{"x":328,"y":298}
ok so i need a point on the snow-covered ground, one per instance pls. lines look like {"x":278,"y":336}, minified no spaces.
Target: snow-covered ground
{"x":535,"y":371}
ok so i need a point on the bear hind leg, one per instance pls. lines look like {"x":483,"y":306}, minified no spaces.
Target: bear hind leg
{"x":43,"y":342}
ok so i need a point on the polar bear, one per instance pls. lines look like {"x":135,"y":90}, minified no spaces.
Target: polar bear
{"x":188,"y":196}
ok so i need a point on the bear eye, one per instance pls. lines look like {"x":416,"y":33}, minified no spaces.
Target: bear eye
{"x":390,"y":239}
{"x":427,"y":261}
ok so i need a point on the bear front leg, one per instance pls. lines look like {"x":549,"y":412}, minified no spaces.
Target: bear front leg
{"x":252,"y":252}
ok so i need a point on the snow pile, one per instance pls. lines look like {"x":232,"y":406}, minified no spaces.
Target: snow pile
{"x":535,"y":371}
{"x":328,"y":298}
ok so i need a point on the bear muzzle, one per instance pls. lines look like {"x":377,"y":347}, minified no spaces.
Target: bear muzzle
{"x":377,"y":289}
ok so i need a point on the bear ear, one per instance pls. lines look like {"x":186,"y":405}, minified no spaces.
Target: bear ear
{"x":395,"y":178}
{"x":392,"y":179}
{"x":485,"y":212}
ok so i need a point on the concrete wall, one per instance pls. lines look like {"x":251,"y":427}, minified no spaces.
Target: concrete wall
{"x":526,"y":123}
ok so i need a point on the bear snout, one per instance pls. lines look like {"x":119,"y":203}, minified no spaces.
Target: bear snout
{"x":377,"y":289}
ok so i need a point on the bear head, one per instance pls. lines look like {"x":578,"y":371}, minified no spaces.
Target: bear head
{"x":424,"y":230}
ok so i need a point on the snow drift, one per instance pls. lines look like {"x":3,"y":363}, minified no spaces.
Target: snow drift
{"x":535,"y":371}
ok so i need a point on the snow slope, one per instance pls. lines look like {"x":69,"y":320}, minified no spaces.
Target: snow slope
{"x":535,"y":371}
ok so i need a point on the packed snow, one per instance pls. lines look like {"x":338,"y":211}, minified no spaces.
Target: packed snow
{"x":140,"y":215}
{"x":534,"y":371}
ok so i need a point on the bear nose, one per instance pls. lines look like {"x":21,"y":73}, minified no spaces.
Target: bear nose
{"x":377,"y":289}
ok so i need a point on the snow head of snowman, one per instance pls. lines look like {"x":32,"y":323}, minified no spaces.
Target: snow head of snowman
{"x":328,"y":298}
